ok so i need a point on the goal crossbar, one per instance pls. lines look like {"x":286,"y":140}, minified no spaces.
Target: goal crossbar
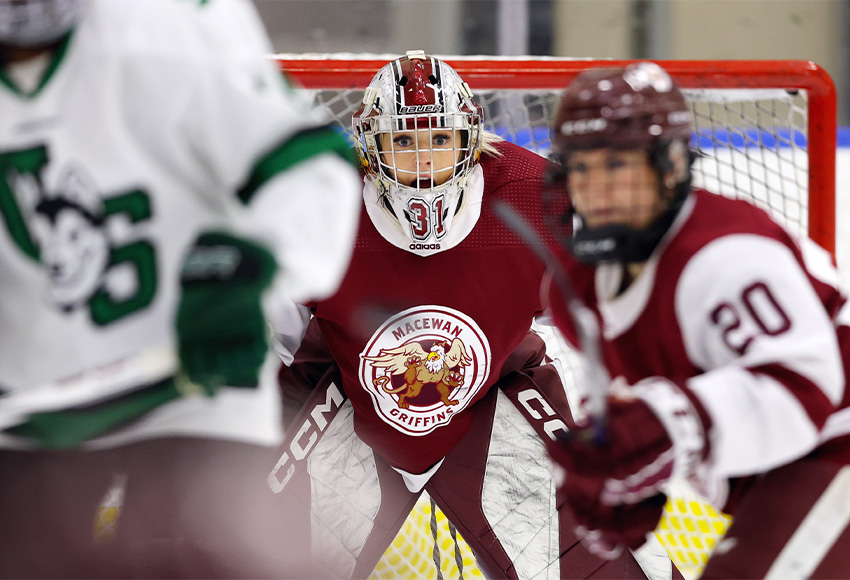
{"x":346,"y":71}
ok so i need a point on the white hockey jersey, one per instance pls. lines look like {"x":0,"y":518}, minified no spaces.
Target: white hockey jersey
{"x":153,"y":121}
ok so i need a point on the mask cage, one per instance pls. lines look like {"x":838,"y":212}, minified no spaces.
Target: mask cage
{"x":393,"y":164}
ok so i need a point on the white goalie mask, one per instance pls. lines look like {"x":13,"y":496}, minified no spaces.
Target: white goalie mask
{"x":418,"y":133}
{"x":36,"y":23}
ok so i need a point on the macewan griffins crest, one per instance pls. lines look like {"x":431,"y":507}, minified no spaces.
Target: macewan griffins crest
{"x":421,"y":368}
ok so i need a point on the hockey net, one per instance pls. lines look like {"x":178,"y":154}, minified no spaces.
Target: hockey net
{"x":765,"y":131}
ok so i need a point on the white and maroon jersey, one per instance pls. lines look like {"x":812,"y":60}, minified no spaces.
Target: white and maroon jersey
{"x":419,"y":340}
{"x":733,"y":308}
{"x":155,"y":120}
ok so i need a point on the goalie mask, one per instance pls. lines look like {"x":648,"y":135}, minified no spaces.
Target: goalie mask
{"x":37,"y":23}
{"x":418,"y":133}
{"x":634,"y":115}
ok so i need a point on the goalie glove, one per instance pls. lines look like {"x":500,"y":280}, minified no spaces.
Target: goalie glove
{"x":222,"y":333}
{"x":614,"y":489}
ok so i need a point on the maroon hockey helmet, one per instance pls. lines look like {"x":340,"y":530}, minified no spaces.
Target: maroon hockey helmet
{"x":624,"y":108}
{"x":636,"y":107}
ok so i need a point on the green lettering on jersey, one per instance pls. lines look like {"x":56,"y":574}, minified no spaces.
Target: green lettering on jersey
{"x":18,"y":169}
{"x":21,"y":186}
{"x":140,"y":255}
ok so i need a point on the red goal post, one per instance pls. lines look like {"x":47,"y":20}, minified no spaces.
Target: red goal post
{"x":335,"y":72}
{"x":765,"y":130}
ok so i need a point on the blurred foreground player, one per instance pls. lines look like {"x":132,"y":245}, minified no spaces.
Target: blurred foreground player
{"x":133,"y":134}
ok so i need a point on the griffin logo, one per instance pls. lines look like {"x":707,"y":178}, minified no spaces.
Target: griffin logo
{"x":424,"y":365}
{"x":421,"y":369}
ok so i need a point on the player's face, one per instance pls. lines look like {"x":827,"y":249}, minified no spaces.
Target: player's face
{"x":426,"y":157}
{"x":611,"y":186}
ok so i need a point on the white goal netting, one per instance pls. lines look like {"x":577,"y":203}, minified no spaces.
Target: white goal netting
{"x":765,"y":131}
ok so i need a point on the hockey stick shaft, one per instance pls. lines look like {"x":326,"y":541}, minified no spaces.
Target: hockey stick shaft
{"x":585,"y":322}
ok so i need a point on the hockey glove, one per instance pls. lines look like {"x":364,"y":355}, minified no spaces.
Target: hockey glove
{"x":606,"y":530}
{"x":221,"y":328}
{"x":615,"y":488}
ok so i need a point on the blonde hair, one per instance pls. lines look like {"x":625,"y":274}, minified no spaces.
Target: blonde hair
{"x":488,"y":140}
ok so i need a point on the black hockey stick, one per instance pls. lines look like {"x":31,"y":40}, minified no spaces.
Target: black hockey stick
{"x":587,"y":328}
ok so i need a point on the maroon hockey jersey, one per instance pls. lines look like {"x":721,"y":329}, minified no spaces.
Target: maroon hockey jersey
{"x":420,"y":339}
{"x":745,"y":317}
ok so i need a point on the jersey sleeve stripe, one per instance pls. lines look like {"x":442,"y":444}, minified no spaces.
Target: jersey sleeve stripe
{"x":298,"y":148}
{"x":813,"y":399}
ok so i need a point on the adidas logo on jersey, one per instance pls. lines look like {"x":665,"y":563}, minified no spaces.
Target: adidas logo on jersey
{"x":424,"y":246}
